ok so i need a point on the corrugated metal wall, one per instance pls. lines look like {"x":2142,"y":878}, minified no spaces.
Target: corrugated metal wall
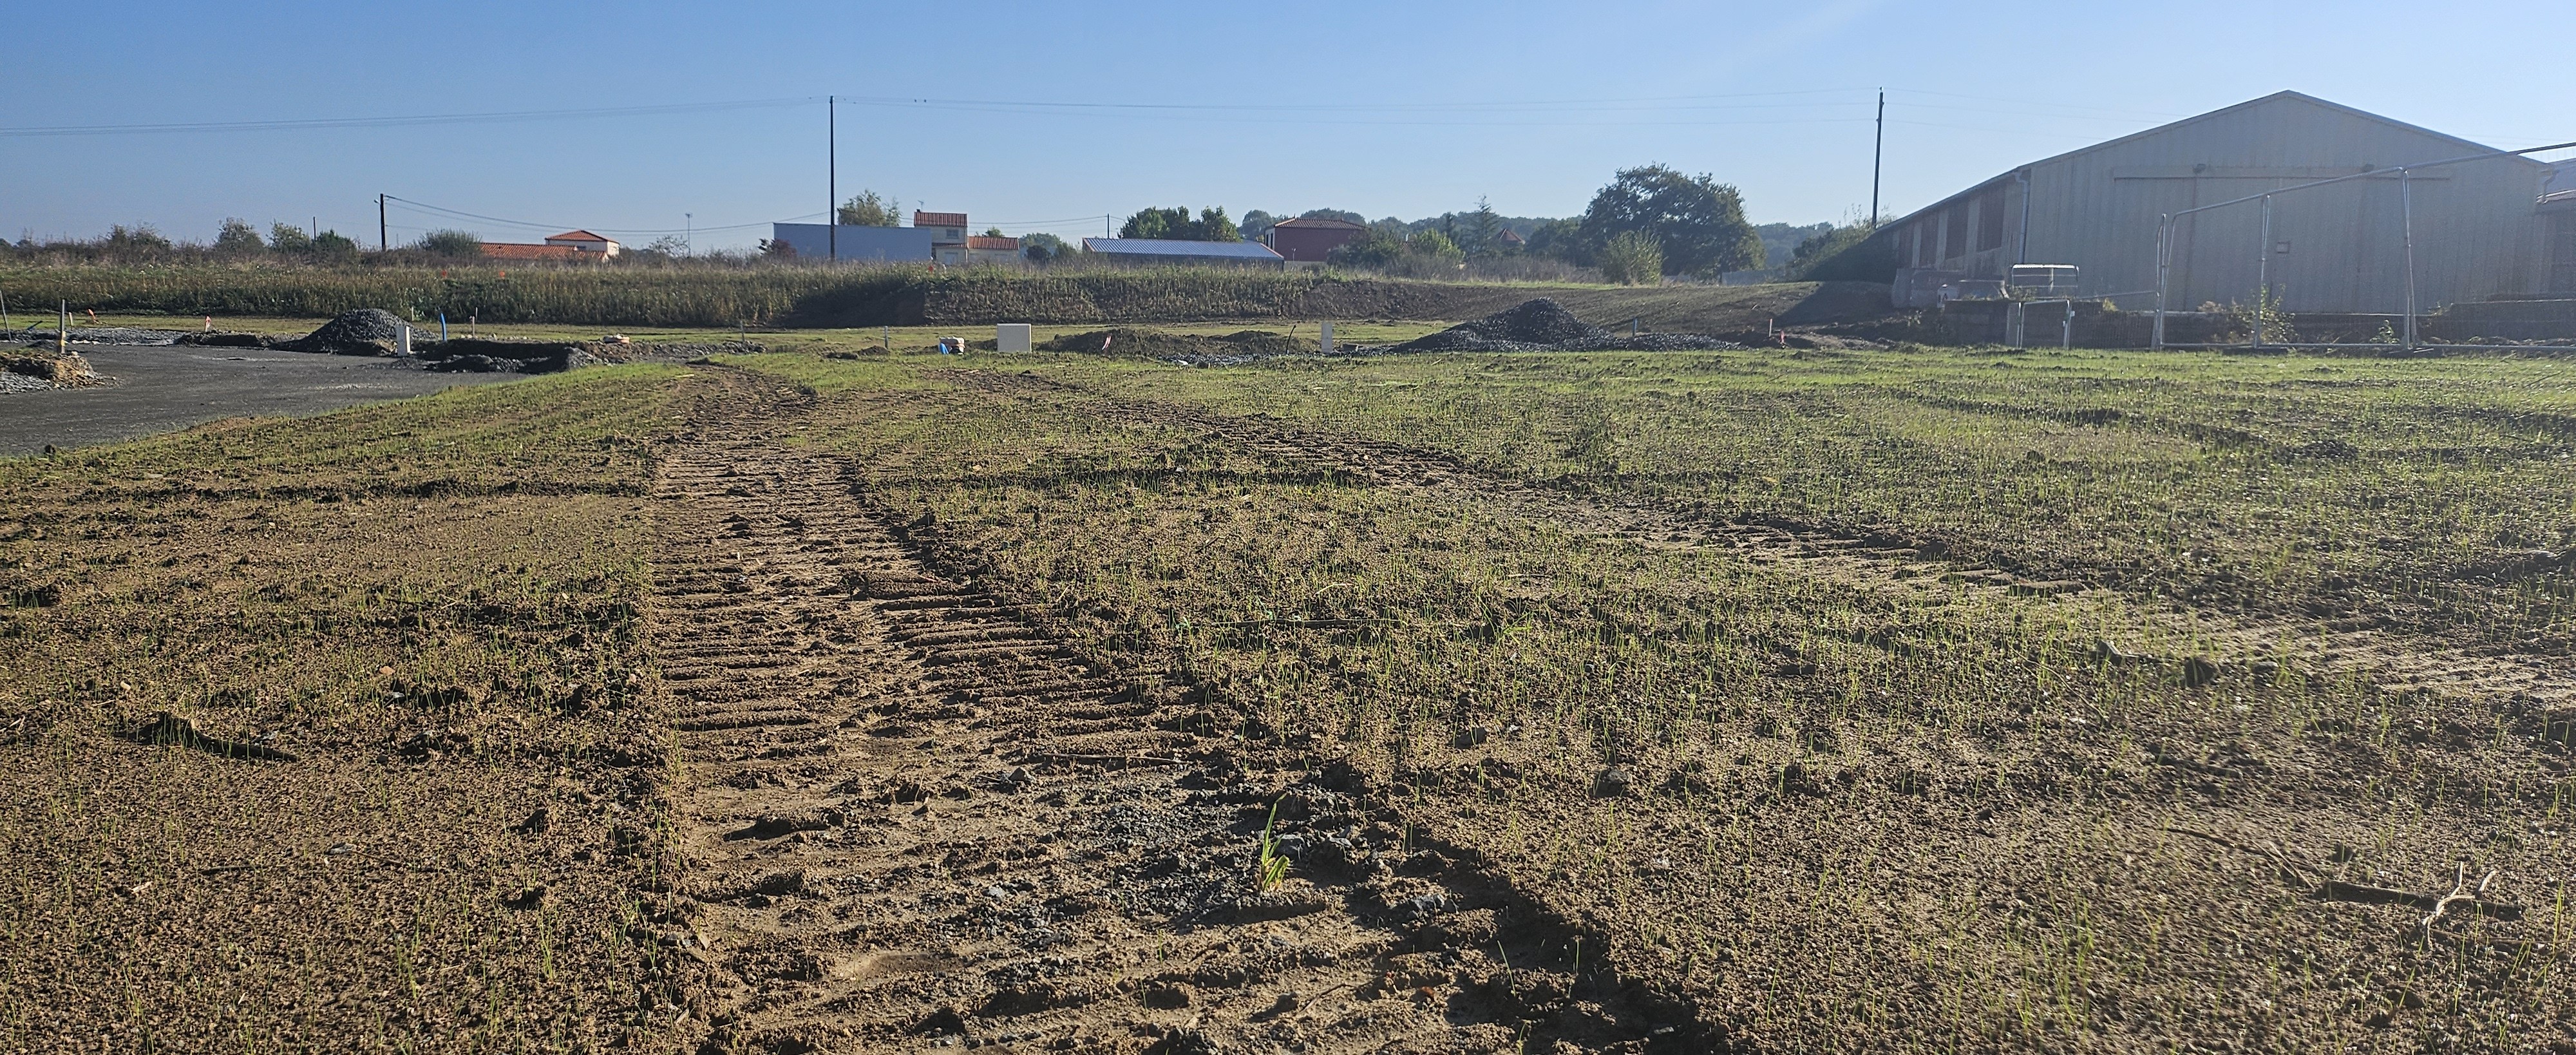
{"x":2478,"y":231}
{"x":2476,"y":228}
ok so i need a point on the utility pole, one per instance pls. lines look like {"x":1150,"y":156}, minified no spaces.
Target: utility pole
{"x":832,"y":170}
{"x":1877,"y":157}
{"x":381,"y":243}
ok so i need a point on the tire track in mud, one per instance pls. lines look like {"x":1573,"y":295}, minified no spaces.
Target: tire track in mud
{"x":2396,"y":662}
{"x":909,"y":818}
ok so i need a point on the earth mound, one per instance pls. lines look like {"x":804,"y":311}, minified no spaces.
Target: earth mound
{"x":366,"y":331}
{"x":1187,"y":347}
{"x":1543,"y":325}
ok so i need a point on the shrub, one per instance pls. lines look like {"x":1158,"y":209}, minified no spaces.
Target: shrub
{"x":288,"y":238}
{"x":1632,"y":258}
{"x":460,"y":244}
{"x":332,"y":245}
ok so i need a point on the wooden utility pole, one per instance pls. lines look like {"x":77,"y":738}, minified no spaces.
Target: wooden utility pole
{"x":382,"y":243}
{"x":1877,"y":156}
{"x":832,"y":173}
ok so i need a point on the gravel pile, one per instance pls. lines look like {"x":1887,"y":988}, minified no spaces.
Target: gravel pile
{"x":1543,"y":325}
{"x":366,"y":331}
{"x":106,"y":335}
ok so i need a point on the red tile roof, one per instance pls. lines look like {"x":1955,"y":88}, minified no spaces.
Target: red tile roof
{"x":986,"y":241}
{"x":576,"y":236}
{"x":938,"y":219}
{"x":524,"y":251}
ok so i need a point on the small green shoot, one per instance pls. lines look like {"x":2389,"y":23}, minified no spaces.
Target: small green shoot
{"x":1273,"y":864}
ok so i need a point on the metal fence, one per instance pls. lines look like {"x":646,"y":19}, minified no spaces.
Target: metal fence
{"x":2363,"y":230}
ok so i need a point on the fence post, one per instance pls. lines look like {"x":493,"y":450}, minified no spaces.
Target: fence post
{"x":2263,"y":278}
{"x":2406,"y":206}
{"x":2164,"y":258}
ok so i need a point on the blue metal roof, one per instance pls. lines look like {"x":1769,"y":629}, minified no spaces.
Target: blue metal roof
{"x":1174,"y":247}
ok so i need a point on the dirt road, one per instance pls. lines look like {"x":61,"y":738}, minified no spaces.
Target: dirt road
{"x":915,"y":818}
{"x":158,"y":389}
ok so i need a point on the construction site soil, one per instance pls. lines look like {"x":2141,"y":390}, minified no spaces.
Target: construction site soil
{"x":788,"y":704}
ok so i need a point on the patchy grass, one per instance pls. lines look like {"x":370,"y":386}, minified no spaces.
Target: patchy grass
{"x":431,"y":605}
{"x":1860,"y":803}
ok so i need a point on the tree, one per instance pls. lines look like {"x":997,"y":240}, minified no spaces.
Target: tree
{"x":1042,"y":247}
{"x":237,"y":238}
{"x":1432,"y":245}
{"x":451,"y":243}
{"x":1175,"y":223}
{"x":1846,"y":254}
{"x":1344,"y":215}
{"x":1482,"y":233}
{"x":288,"y":238}
{"x":867,"y":208}
{"x":777,"y":249}
{"x":1632,"y":258}
{"x":1257,"y":224}
{"x":1818,"y":248}
{"x":668,"y":246}
{"x":1697,"y":221}
{"x":1558,"y":240}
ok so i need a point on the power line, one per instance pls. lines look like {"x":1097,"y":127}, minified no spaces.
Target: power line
{"x":444,"y":211}
{"x":304,"y":124}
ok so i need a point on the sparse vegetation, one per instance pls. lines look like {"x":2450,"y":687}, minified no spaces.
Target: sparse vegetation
{"x":1632,"y":258}
{"x":1922,"y":700}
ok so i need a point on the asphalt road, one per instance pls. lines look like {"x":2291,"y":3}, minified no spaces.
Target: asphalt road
{"x":157,"y":390}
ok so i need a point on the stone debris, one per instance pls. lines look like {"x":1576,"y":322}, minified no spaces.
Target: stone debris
{"x":1543,"y":325}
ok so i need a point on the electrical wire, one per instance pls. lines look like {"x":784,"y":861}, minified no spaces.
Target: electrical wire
{"x":461,"y":214}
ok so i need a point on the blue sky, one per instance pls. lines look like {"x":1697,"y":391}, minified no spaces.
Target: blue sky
{"x":1405,"y":109}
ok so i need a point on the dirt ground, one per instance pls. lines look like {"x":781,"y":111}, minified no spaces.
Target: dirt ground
{"x":158,"y":389}
{"x":795,"y":704}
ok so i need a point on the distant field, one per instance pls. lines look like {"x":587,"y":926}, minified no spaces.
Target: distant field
{"x":803,"y":297}
{"x":1925,"y":701}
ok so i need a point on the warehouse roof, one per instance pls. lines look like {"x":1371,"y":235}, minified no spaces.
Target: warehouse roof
{"x":1178,"y":248}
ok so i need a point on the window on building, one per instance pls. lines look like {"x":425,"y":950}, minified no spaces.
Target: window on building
{"x":1990,"y":220}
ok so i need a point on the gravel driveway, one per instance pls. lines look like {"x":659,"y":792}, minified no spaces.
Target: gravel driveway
{"x":159,"y":389}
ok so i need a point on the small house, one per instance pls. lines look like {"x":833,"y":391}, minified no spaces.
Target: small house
{"x":584,"y":242}
{"x":991,"y":249}
{"x":1311,"y":240}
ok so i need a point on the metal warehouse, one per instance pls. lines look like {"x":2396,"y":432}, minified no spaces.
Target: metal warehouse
{"x":2478,"y":227}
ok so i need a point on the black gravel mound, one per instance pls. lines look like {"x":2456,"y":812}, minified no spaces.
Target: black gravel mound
{"x":1544,"y":325}
{"x":366,"y":331}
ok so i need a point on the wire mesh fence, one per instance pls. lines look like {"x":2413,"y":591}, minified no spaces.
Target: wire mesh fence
{"x":2362,"y":259}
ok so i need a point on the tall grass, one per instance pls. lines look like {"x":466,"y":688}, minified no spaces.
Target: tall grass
{"x":805,"y":296}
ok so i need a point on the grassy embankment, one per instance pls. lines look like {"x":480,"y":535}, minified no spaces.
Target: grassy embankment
{"x":1869,"y":804}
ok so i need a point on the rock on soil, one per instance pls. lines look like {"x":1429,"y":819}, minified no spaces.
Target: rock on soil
{"x":41,"y":369}
{"x":1543,"y":325}
{"x":366,"y":331}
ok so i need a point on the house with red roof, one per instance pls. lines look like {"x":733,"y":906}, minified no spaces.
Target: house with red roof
{"x":570,"y":245}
